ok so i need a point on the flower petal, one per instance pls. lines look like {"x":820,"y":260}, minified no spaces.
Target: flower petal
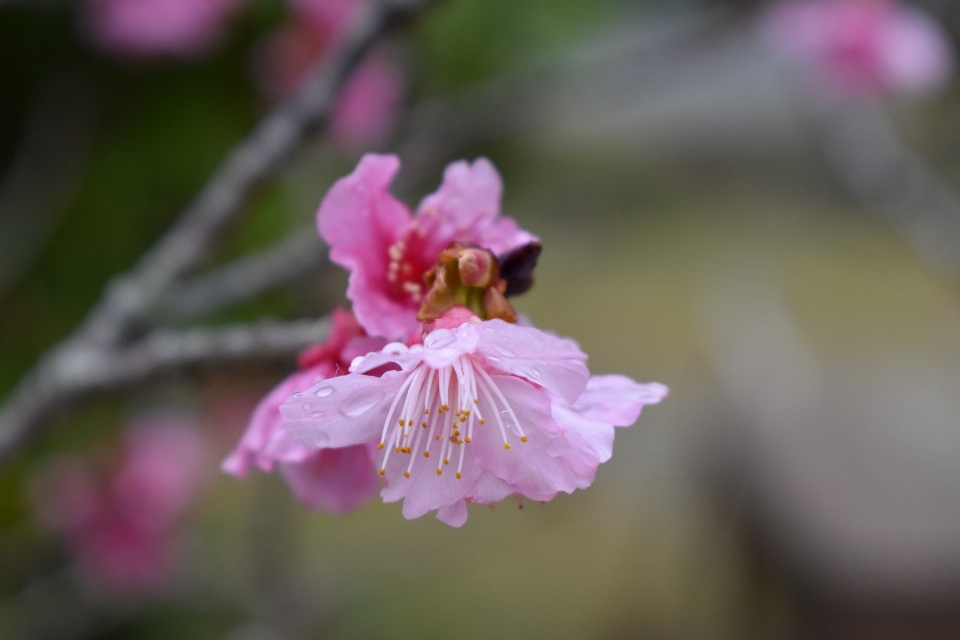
{"x":341,"y":411}
{"x":544,"y":465}
{"x":547,"y":360}
{"x":466,"y":208}
{"x":264,"y":441}
{"x":337,"y":480}
{"x":360,"y":221}
{"x":454,"y":514}
{"x":616,"y":399}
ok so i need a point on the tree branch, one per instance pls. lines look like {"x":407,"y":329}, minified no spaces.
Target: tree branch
{"x":109,"y":350}
{"x":244,"y":278}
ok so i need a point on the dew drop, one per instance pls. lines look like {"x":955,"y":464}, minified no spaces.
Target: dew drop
{"x":323,"y":392}
{"x":359,"y":404}
{"x":307,"y":406}
{"x":507,"y":420}
{"x":536,"y":372}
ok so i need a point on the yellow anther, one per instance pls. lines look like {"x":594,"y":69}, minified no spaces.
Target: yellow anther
{"x":446,"y":407}
{"x":401,"y":422}
{"x":458,"y":475}
{"x":439,"y":472}
{"x":437,"y":438}
{"x":446,"y":461}
{"x":399,"y":449}
{"x":406,"y":474}
{"x":468,"y":441}
{"x":426,"y":454}
{"x":482,"y":421}
{"x":426,"y":412}
{"x":424,"y":425}
{"x":476,"y":400}
{"x":506,"y":445}
{"x":380,"y":446}
{"x":463,"y":418}
{"x":523,"y":439}
{"x":383,"y":472}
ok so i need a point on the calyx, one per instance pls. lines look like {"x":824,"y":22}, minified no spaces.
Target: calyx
{"x":469,"y":276}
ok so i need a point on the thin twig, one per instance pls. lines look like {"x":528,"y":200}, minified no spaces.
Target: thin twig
{"x":109,"y":349}
{"x":244,"y":278}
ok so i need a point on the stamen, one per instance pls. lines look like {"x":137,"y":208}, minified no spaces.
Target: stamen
{"x":506,"y":404}
{"x":396,"y":399}
{"x":485,"y":392}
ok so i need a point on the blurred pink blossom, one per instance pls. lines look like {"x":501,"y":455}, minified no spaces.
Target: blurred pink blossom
{"x":122,"y":524}
{"x":334,"y":480}
{"x":853,"y":48}
{"x":154,"y":28}
{"x":479,"y":410}
{"x":388,"y":250}
{"x":371,"y":98}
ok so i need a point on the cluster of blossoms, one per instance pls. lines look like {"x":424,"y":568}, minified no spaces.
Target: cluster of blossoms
{"x":121,"y":520}
{"x":464,"y":403}
{"x":368,"y":105}
{"x":855,"y":48}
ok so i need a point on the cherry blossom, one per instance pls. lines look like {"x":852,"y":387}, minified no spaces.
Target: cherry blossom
{"x":853,"y":48}
{"x":152,"y":28}
{"x":123,"y":527}
{"x":336,"y":480}
{"x":477,"y":411}
{"x":388,"y":251}
{"x":368,"y":105}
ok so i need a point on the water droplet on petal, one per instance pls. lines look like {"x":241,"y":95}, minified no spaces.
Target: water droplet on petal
{"x":325,"y":391}
{"x":306,"y":407}
{"x":359,"y":403}
{"x":536,"y":372}
{"x":296,"y":394}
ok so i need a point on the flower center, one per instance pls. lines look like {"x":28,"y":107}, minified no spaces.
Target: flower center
{"x":440,"y":408}
{"x":405,"y":268}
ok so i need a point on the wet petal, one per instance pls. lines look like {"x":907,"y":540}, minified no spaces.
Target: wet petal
{"x":341,"y":411}
{"x":551,"y":362}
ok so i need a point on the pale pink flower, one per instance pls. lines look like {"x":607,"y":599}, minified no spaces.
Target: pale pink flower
{"x":370,"y":101}
{"x":335,"y":480}
{"x":154,"y":28}
{"x":852,"y":48}
{"x":388,"y":250}
{"x":123,"y":526}
{"x":479,"y":410}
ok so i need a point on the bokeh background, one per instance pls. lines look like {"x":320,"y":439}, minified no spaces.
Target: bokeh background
{"x":709,"y":221}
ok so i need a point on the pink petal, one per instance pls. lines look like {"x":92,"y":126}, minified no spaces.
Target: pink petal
{"x":454,"y":514}
{"x":598,"y":435}
{"x":544,"y":465}
{"x":337,"y":480}
{"x":368,"y":106}
{"x":264,"y":441}
{"x":466,"y":208}
{"x":616,"y":399}
{"x":490,"y":489}
{"x":342,"y":411}
{"x":547,"y":360}
{"x":360,"y":221}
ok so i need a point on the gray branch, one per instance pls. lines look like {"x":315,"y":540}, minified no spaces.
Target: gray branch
{"x":244,"y":278}
{"x":75,"y":369}
{"x":110,"y":349}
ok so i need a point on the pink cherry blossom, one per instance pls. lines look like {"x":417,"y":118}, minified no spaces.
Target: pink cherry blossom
{"x":123,"y":527}
{"x":388,"y":250}
{"x":479,"y":410}
{"x":334,"y":480}
{"x":370,"y":101}
{"x":852,"y":48}
{"x":152,"y":28}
